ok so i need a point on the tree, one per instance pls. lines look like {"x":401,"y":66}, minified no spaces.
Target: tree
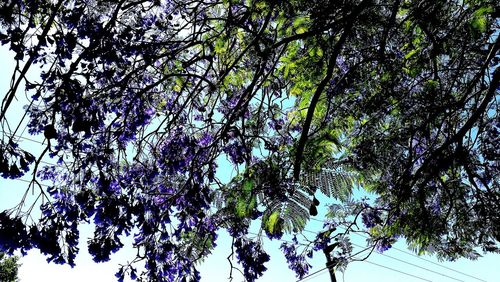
{"x":140,"y":100}
{"x":8,"y":268}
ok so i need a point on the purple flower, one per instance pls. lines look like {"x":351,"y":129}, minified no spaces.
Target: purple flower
{"x":385,"y":244}
{"x":296,"y":262}
{"x":205,"y":139}
{"x":371,"y":217}
{"x":236,"y":152}
{"x":252,"y":258}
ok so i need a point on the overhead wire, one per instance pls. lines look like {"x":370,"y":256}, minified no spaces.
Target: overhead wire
{"x":416,"y":256}
{"x":403,"y":261}
{"x":325,"y":268}
{"x":29,"y":181}
{"x":310,"y":276}
{"x":31,"y":140}
{"x":443,"y":266}
{"x":22,"y":137}
{"x":399,"y":271}
{"x":415,"y":265}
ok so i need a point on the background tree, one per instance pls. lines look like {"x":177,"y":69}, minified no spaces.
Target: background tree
{"x":140,"y":100}
{"x":8,"y":268}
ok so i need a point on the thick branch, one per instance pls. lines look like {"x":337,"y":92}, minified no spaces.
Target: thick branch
{"x":495,"y":83}
{"x":385,"y":35}
{"x":321,"y":87}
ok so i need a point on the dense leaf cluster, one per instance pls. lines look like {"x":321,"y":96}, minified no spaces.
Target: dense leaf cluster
{"x":8,"y":268}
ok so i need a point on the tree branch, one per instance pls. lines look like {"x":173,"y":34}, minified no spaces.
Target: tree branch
{"x":314,"y":101}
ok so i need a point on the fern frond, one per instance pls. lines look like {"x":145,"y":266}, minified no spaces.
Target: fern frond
{"x":332,"y":179}
{"x":293,"y":212}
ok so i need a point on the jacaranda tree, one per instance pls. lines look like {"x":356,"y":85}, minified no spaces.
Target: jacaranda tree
{"x":140,"y":102}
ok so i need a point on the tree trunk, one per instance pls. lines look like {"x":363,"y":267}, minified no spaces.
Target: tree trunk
{"x":330,"y":264}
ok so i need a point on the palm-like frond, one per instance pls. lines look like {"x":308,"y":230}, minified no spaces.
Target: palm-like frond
{"x":292,"y":212}
{"x":333,"y":179}
{"x":285,"y":205}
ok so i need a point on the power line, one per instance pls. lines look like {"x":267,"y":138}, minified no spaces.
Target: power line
{"x":25,"y":138}
{"x":443,"y":266}
{"x":325,"y":268}
{"x":415,"y":265}
{"x":390,"y":268}
{"x":403,"y":261}
{"x":29,"y":181}
{"x":399,"y":271}
{"x":32,"y":140}
{"x":416,"y":256}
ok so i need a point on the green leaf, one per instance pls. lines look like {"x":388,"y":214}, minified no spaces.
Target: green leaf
{"x":319,"y":52}
{"x":479,"y":20}
{"x":220,"y":46}
{"x":299,"y":21}
{"x":301,"y":30}
{"x":244,"y":206}
{"x":248,"y":185}
{"x":272,"y":222}
{"x":411,"y":53}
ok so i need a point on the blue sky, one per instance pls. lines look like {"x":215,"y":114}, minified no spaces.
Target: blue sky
{"x":216,"y":267}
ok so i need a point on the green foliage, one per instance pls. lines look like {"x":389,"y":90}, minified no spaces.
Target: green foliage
{"x":8,"y":268}
{"x":479,"y":21}
{"x":283,"y":205}
{"x":272,"y":222}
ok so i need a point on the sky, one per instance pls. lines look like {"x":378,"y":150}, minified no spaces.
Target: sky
{"x":396,"y":264}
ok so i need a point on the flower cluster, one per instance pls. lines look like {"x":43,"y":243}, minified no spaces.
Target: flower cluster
{"x":236,"y":151}
{"x":296,"y":262}
{"x":14,"y":162}
{"x":385,"y":243}
{"x":371,"y":217}
{"x":177,"y":153}
{"x":252,"y":258}
{"x":13,"y":234}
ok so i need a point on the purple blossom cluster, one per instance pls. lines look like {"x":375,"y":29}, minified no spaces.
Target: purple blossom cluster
{"x":177,"y":153}
{"x":236,"y":151}
{"x":385,"y":243}
{"x":296,"y":262}
{"x":371,"y":217}
{"x":14,"y":162}
{"x":252,"y":257}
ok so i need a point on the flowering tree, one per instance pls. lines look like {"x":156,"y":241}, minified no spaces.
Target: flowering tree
{"x":139,"y":101}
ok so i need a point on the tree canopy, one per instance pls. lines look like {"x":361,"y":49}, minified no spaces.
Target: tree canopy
{"x":139,"y":102}
{"x":8,"y":268}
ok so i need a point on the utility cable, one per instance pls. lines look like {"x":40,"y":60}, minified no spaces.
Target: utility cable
{"x":29,"y":181}
{"x":325,"y":268}
{"x":401,"y":260}
{"x":399,"y":271}
{"x":32,"y":140}
{"x":25,"y":138}
{"x":443,"y":266}
{"x":414,"y":265}
{"x":419,"y":257}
